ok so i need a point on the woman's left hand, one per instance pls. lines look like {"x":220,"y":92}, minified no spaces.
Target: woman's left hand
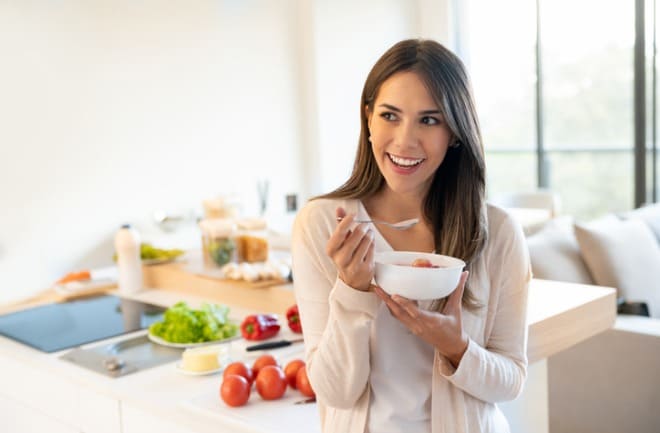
{"x":443,"y":330}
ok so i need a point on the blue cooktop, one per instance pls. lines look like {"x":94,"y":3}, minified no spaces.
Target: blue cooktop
{"x":58,"y":326}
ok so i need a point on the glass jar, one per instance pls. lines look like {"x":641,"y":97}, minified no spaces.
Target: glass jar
{"x":252,"y":240}
{"x":218,"y":241}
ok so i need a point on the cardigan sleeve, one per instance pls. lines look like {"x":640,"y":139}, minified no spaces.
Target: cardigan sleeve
{"x":336,"y":318}
{"x":497,"y":371}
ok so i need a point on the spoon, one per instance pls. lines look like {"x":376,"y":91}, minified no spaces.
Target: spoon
{"x":401,"y":225}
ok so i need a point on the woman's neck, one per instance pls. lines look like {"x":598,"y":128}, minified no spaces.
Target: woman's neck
{"x":390,"y":206}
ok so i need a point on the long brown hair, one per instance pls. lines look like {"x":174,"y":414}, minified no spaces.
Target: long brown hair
{"x":455,"y":202}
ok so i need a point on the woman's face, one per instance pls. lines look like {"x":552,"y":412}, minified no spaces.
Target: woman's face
{"x":409,"y":137}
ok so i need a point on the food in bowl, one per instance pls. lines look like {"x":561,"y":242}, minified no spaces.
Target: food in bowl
{"x":423,"y":263}
{"x":418,"y":276}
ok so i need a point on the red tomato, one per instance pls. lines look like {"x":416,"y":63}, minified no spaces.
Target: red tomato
{"x":235,"y":390}
{"x":240,"y":369}
{"x":271,"y":382}
{"x":261,"y":362}
{"x":302,"y":383}
{"x":291,"y":370}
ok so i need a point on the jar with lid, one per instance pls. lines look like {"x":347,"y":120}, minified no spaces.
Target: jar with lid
{"x":218,"y":241}
{"x":252,"y":240}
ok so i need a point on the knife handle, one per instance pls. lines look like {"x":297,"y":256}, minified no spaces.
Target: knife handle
{"x":269,"y":345}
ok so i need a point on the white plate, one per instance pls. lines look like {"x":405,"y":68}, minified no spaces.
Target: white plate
{"x":197,"y":373}
{"x":162,"y":342}
{"x":73,"y":287}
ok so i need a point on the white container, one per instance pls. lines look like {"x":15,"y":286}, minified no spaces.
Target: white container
{"x":129,"y":263}
{"x":396,"y":275}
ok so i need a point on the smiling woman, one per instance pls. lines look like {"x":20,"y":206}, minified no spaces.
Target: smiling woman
{"x":409,"y":137}
{"x":419,"y":156}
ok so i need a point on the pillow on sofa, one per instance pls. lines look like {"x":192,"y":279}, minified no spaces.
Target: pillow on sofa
{"x":555,"y":253}
{"x":623,"y":254}
{"x":650,"y":215}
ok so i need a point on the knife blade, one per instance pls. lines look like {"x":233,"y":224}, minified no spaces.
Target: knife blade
{"x":273,"y":344}
{"x":307,"y":400}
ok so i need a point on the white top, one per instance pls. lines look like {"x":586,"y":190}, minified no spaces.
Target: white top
{"x":340,"y":322}
{"x":410,"y":411}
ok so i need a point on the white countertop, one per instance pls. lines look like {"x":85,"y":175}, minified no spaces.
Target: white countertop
{"x":559,"y":316}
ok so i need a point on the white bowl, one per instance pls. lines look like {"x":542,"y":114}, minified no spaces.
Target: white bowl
{"x":396,"y":275}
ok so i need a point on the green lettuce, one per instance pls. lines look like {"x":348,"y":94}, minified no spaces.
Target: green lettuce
{"x":182,"y":324}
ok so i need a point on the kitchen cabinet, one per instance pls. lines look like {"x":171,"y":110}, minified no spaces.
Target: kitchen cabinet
{"x":46,"y":397}
{"x":136,"y":420}
{"x":19,"y":418}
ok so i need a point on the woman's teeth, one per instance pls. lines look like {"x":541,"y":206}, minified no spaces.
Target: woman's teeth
{"x":404,"y":162}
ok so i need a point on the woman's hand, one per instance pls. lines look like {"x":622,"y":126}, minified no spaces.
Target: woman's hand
{"x":443,"y":330}
{"x":352,"y":251}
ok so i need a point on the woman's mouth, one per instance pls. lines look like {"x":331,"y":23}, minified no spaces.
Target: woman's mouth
{"x":403,"y":163}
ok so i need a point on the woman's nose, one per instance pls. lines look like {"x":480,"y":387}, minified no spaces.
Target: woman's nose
{"x":406,"y":135}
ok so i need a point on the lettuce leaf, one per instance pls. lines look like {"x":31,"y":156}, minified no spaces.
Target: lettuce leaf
{"x":182,"y":324}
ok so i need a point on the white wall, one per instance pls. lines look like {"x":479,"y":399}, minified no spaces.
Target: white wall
{"x":111,"y":109}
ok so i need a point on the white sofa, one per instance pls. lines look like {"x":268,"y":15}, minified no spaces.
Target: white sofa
{"x":611,"y":382}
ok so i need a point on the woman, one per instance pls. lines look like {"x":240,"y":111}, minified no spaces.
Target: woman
{"x":389,"y":364}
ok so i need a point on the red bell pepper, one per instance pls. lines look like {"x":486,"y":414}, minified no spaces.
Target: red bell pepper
{"x":260,"y":326}
{"x":293,"y":319}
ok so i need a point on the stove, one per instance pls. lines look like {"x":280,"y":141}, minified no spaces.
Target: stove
{"x":58,"y":326}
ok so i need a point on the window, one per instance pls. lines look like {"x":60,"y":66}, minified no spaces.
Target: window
{"x":587,"y":103}
{"x":560,"y":114}
{"x":502,"y":65}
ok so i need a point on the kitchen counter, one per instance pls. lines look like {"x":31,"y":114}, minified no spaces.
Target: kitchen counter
{"x":75,"y":399}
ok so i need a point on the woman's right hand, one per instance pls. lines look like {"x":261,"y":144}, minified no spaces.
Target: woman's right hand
{"x":352,"y":251}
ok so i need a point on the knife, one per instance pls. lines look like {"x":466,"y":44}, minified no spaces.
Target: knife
{"x":307,"y":400}
{"x":273,"y":344}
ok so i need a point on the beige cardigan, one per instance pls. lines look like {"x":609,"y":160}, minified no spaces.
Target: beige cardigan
{"x":337,"y":319}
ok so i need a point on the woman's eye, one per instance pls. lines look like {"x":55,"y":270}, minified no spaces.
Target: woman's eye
{"x":428,"y":120}
{"x":387,"y":115}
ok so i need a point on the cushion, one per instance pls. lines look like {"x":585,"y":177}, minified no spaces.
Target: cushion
{"x":650,"y":215}
{"x":555,"y":253}
{"x":623,"y":254}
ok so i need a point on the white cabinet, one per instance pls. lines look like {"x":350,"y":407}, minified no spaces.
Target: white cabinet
{"x":18,"y":418}
{"x":135,"y":420}
{"x":41,"y":397}
{"x":98,"y":413}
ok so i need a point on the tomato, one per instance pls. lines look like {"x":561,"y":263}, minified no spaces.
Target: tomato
{"x":271,"y":382}
{"x":290,"y":371}
{"x":235,"y":390}
{"x":302,"y":383}
{"x":240,"y":369}
{"x":261,"y":362}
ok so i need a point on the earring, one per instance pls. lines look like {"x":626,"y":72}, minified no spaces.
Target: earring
{"x":456,"y":143}
{"x":369,"y":139}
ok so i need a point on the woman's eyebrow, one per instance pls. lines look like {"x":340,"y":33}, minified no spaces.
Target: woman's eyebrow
{"x":398,"y":110}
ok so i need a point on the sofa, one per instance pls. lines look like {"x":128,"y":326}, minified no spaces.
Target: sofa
{"x":610,"y":382}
